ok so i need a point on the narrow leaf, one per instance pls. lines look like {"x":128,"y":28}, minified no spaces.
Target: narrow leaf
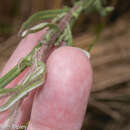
{"x":42,"y":15}
{"x":69,"y":36}
{"x":40,"y":27}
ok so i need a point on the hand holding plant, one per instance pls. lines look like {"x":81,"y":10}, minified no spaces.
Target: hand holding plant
{"x":69,"y":93}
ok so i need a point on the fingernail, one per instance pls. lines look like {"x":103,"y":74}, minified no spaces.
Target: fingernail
{"x":85,"y":52}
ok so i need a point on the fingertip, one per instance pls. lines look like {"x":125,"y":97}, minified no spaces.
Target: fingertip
{"x":65,"y":94}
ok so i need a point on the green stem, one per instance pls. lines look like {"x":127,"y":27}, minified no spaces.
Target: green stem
{"x":15,"y":71}
{"x":42,"y":15}
{"x":8,"y":90}
{"x":99,"y":32}
{"x":11,"y":75}
{"x":72,"y":16}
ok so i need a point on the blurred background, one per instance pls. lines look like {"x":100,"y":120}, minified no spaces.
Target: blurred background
{"x":109,"y":102}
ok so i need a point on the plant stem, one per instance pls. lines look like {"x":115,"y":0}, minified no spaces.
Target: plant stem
{"x":70,"y":17}
{"x":11,"y":75}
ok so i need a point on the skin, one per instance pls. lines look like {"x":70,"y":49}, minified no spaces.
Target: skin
{"x":61,"y":103}
{"x":23,"y":49}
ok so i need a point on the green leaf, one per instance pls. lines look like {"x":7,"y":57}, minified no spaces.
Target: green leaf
{"x":42,"y":15}
{"x":60,"y":39}
{"x":15,"y":71}
{"x":109,"y":9}
{"x":69,"y":36}
{"x":11,"y":75}
{"x":98,"y":35}
{"x":66,"y":36}
{"x":7,"y":90}
{"x":39,"y":27}
{"x":58,"y":17}
{"x":36,"y":79}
